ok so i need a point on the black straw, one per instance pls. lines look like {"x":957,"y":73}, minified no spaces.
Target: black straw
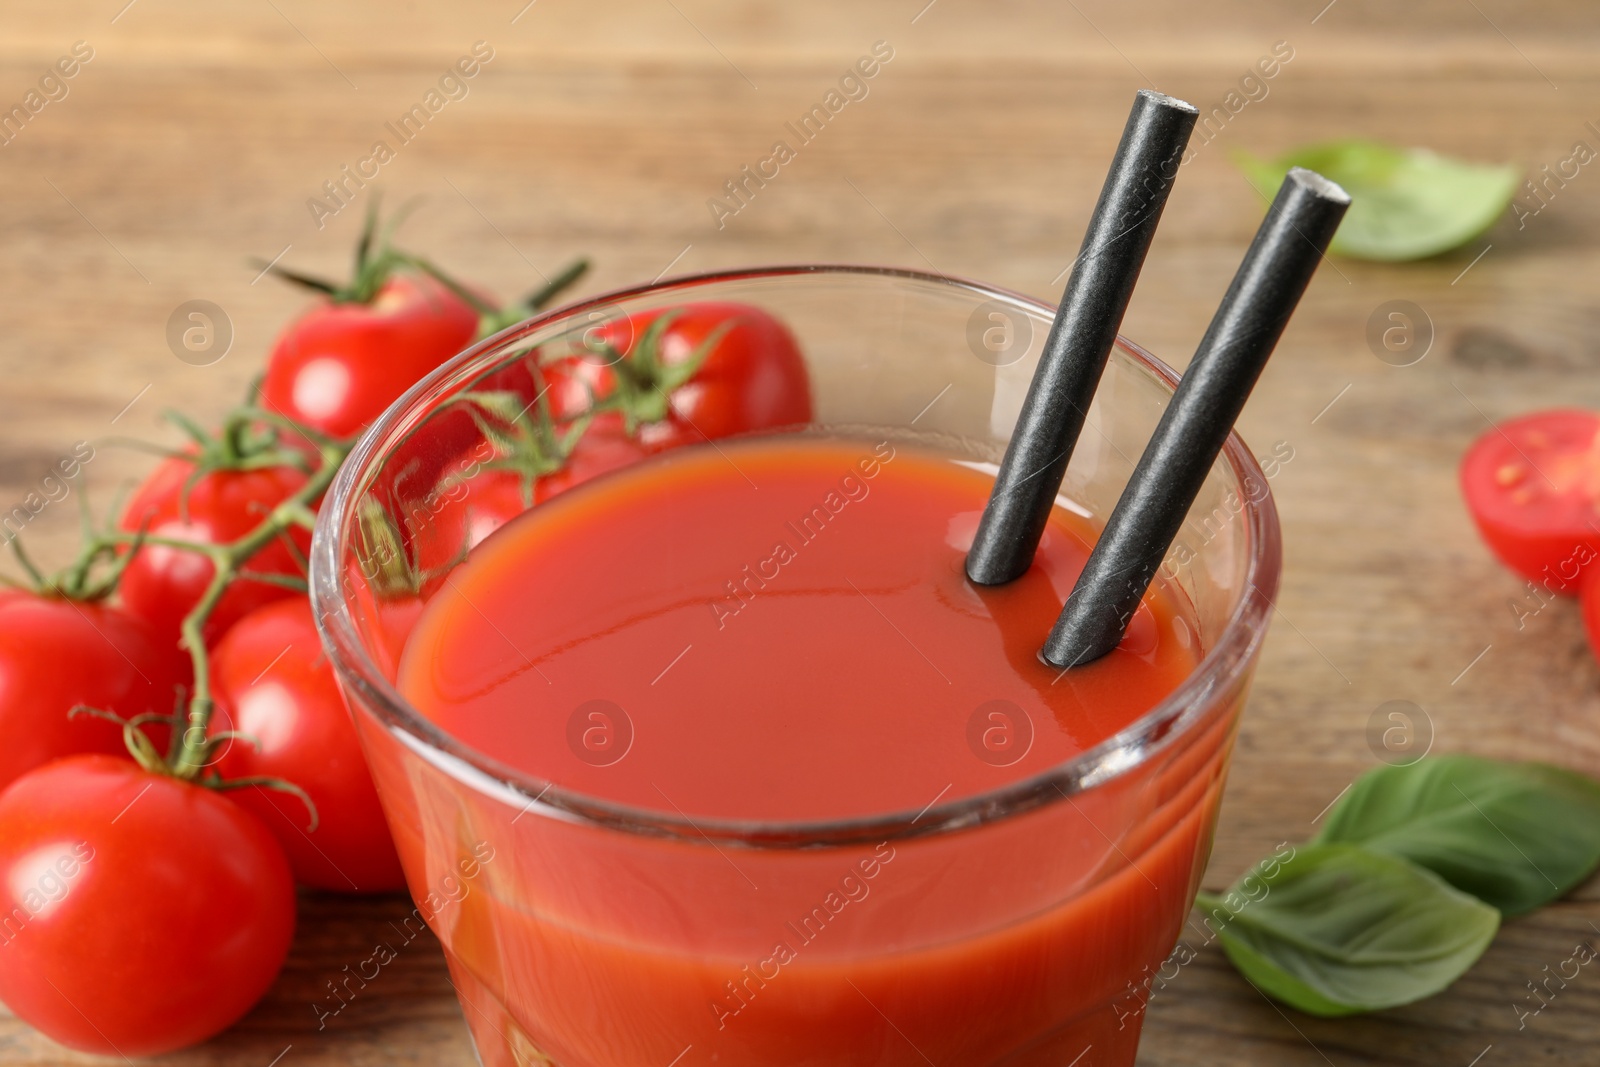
{"x":1080,"y":339}
{"x":1265,"y":290}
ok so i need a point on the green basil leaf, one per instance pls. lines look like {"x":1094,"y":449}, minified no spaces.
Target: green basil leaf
{"x":1405,"y":203}
{"x":1336,"y":930}
{"x":1516,"y":835}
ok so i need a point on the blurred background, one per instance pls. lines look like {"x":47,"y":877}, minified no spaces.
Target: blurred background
{"x":198,"y":135}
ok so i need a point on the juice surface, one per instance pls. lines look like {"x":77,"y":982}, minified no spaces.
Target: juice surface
{"x":775,"y":628}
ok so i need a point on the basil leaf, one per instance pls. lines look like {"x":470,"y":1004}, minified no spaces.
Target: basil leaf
{"x":1516,"y":835}
{"x":1405,"y":203}
{"x":1336,"y":930}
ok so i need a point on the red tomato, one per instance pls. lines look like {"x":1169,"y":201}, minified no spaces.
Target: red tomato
{"x":272,"y":682}
{"x":142,"y":913}
{"x":163,"y":584}
{"x":1533,"y":487}
{"x":446,"y":511}
{"x":483,"y":503}
{"x":753,"y":377}
{"x":56,"y":654}
{"x":605,"y":446}
{"x":337,"y":367}
{"x":453,"y":444}
{"x":386,"y":617}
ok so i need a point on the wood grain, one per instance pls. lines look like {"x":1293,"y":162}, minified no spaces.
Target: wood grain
{"x":197,"y":133}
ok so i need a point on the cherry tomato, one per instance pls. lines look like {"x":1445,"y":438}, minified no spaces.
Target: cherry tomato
{"x":605,"y":446}
{"x":163,"y":584}
{"x":56,"y":654}
{"x":272,"y":682}
{"x":337,"y":367}
{"x":143,"y":913}
{"x":752,"y":378}
{"x":453,"y":443}
{"x":386,"y":617}
{"x":1533,"y":487}
{"x":472,"y":511}
{"x":478,"y":506}
{"x":446,"y":508}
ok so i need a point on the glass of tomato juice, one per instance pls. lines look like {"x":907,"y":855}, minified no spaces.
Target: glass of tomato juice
{"x":718,"y":758}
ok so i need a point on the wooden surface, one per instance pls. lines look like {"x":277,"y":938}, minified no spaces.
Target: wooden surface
{"x":198,"y":131}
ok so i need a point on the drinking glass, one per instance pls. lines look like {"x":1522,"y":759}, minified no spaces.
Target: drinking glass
{"x":1022,"y":926}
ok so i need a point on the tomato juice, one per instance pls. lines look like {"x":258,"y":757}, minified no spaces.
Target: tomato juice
{"x":778,"y":630}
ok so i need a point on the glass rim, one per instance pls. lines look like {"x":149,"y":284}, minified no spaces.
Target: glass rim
{"x":1175,"y":716}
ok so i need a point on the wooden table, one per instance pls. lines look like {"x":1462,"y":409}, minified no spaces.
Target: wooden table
{"x":198,"y":132}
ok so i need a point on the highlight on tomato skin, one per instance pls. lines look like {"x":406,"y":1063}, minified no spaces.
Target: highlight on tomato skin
{"x":141,"y":913}
{"x":1532,"y":485}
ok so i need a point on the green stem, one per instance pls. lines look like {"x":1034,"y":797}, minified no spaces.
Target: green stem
{"x":117,"y":538}
{"x":282,"y":581}
{"x":192,"y":753}
{"x":473,"y":300}
{"x":316,"y":437}
{"x":228,"y":560}
{"x":550,"y":289}
{"x":24,"y":562}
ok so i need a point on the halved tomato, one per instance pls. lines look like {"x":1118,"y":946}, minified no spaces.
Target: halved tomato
{"x":1533,"y":487}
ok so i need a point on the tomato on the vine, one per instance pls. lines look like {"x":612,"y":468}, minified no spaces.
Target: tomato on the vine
{"x":605,"y":446}
{"x":273,"y":684}
{"x":692,"y":372}
{"x":56,"y":654}
{"x":144,"y":913}
{"x":1532,"y":485}
{"x":387,"y":617}
{"x":366,"y":342}
{"x":337,"y":366}
{"x":645,"y":383}
{"x":469,"y":511}
{"x":478,"y":507}
{"x":163,"y":583}
{"x":148,"y":903}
